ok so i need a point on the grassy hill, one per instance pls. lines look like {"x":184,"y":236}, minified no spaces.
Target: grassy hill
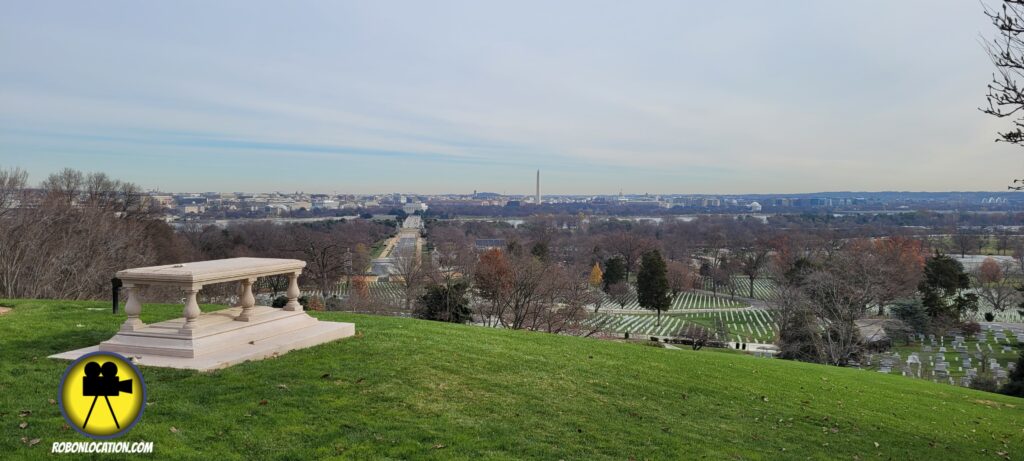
{"x":415,"y":389}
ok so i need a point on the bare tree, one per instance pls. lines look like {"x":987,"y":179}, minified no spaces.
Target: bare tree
{"x":567,"y":310}
{"x":530,"y":291}
{"x":1005,"y":95}
{"x":892,"y":265}
{"x":681,"y":277}
{"x":965,"y":240}
{"x":818,"y":304}
{"x":751,"y":262}
{"x":493,"y":282}
{"x":411,"y":272}
{"x":995,"y":284}
{"x":12,"y":189}
{"x":1003,"y":242}
{"x":325,"y":258}
{"x":61,"y":246}
{"x":631,"y":246}
{"x":621,"y":293}
{"x":63,"y":187}
{"x":838,"y":301}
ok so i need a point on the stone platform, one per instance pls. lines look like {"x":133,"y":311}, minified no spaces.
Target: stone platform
{"x":219,"y":340}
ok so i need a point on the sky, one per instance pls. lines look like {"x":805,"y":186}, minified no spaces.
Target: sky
{"x":451,"y":97}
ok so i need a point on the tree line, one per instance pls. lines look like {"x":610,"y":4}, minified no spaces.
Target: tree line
{"x":65,"y":237}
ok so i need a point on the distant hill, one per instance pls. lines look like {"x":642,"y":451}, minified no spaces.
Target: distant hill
{"x":406,"y":389}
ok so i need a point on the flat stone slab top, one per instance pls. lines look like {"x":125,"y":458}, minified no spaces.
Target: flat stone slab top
{"x":217,"y":339}
{"x":210,"y":272}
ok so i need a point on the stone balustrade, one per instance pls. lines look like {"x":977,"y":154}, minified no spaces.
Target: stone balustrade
{"x":192,"y":277}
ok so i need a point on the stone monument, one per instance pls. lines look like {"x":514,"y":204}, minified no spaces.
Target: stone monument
{"x":222,"y":338}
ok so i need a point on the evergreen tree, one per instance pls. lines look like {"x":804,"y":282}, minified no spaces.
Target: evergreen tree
{"x":540,"y":251}
{"x":942,"y":288}
{"x":652,"y":283}
{"x":1015,"y":386}
{"x":912,"y":313}
{"x":445,"y":303}
{"x":614,"y":272}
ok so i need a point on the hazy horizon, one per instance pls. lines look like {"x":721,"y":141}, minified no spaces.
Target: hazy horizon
{"x":659,"y":97}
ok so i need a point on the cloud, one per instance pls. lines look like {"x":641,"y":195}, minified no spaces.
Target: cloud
{"x":445,"y":96}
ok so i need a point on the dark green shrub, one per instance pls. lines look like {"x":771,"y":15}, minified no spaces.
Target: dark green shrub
{"x":1015,"y":386}
{"x":333,"y":303}
{"x":444,"y":303}
{"x":984,"y":382}
{"x":280,"y":301}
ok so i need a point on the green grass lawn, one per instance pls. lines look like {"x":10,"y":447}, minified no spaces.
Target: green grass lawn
{"x":405,"y":389}
{"x":687,"y":300}
{"x":764,"y":288}
{"x":377,"y":248}
{"x":743,"y":325}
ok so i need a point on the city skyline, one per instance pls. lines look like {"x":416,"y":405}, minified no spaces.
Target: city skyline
{"x":447,"y":98}
{"x":531,"y":192}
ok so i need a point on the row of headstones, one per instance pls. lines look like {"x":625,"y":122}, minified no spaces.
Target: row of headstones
{"x":998,"y":332}
{"x":962,"y":349}
{"x":941,"y":367}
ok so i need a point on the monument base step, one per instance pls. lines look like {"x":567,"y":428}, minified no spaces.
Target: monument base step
{"x":220,"y":341}
{"x":213,"y":331}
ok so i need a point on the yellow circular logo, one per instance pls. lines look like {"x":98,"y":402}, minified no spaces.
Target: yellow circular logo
{"x":102,"y":395}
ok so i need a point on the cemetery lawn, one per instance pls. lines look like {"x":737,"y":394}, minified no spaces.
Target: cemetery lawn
{"x":406,"y":388}
{"x":743,"y":325}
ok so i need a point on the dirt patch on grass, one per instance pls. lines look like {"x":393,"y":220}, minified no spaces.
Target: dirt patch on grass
{"x":990,"y":403}
{"x":4,"y":310}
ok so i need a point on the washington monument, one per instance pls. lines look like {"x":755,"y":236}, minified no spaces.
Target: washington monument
{"x":537,"y":196}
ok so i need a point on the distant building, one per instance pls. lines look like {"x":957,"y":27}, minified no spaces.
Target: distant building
{"x":165,"y":201}
{"x":710,"y":202}
{"x":654,"y":203}
{"x":325,"y":204}
{"x":755,"y":207}
{"x":191,"y":209}
{"x":489,"y":244}
{"x":410,"y":208}
{"x":191,"y":205}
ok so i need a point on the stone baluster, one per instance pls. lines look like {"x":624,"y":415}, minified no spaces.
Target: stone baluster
{"x":246,"y":301}
{"x":133,"y":307}
{"x":240,"y":292}
{"x":191,"y":310}
{"x":293,"y":293}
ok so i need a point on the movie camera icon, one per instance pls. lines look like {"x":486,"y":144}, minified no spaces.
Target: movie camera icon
{"x":102,"y":381}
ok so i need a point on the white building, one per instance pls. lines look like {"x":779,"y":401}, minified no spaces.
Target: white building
{"x":325,"y":204}
{"x":410,"y":208}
